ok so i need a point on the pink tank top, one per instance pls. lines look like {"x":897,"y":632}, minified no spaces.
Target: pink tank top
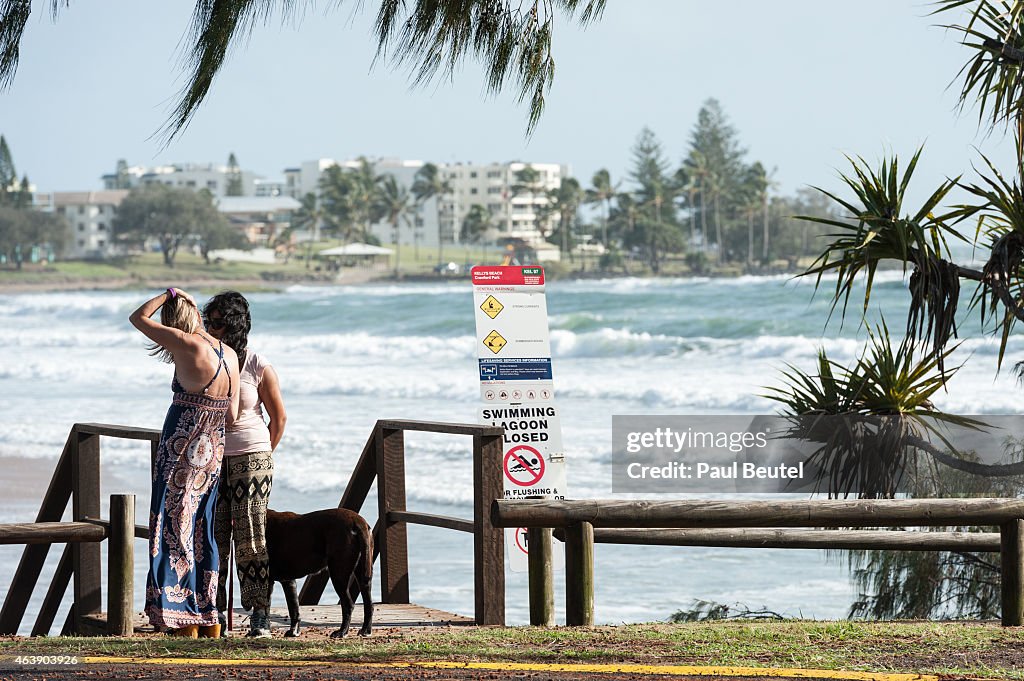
{"x":249,"y":432}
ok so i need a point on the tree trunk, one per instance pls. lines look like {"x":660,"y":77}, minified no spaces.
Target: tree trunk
{"x":718,"y":231}
{"x":565,"y":239}
{"x":764,"y":217}
{"x":750,"y":238}
{"x":398,"y":251}
{"x":165,"y":249}
{"x":607,"y":217}
{"x":703,"y":223}
{"x":693,"y":220}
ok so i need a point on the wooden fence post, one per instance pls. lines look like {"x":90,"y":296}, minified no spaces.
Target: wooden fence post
{"x":85,"y":500}
{"x":488,"y":540}
{"x":394,"y":542}
{"x":121,"y":565}
{"x":1011,"y":539}
{"x":542,"y":588}
{"x":579,"y":574}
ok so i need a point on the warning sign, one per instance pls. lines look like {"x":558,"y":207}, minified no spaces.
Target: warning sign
{"x":491,"y":307}
{"x":494,"y":342}
{"x":524,"y":465}
{"x":516,"y":388}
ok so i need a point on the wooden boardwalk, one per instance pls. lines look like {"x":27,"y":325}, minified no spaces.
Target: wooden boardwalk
{"x":325,"y":616}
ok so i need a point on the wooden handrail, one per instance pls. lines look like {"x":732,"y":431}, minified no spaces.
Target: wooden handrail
{"x":442,"y":521}
{"x":710,"y":513}
{"x":50,"y":533}
{"x":122,"y":432}
{"x":789,"y":538}
{"x":437,"y":427}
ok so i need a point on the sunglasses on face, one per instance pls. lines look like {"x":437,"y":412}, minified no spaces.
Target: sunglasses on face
{"x":215,"y":323}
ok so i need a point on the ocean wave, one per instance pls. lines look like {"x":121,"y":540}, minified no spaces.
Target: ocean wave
{"x":361,"y":344}
{"x":75,"y":303}
{"x":380,"y":290}
{"x":49,"y":337}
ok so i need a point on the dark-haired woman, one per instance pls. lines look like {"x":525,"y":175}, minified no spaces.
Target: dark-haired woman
{"x":184,"y":563}
{"x":248,"y":470}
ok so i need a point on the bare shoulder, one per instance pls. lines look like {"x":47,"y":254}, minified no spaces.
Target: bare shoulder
{"x":229,"y":352}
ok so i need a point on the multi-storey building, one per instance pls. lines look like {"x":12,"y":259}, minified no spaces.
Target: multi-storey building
{"x":418,"y":228}
{"x":89,"y":215}
{"x":517,"y":206}
{"x":209,"y":176}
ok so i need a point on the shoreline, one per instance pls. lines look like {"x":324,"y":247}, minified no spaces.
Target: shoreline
{"x":348,"y":278}
{"x":246,"y":284}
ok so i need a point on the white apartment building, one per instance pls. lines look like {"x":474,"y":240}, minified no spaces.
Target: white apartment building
{"x":305,"y":178}
{"x":89,"y":215}
{"x":495,"y":186}
{"x":209,"y":176}
{"x":421,"y":228}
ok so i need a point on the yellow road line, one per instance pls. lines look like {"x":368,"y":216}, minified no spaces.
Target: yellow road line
{"x":670,"y":670}
{"x":666,"y":670}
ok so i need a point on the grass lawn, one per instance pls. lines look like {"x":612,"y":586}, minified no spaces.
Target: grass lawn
{"x":972,"y":649}
{"x":148,"y":270}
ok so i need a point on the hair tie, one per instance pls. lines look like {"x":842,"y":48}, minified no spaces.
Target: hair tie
{"x":172,"y":292}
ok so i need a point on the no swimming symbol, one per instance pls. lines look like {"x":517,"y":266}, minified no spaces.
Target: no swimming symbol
{"x":524,"y":465}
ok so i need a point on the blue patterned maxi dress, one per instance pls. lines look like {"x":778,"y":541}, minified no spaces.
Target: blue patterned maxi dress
{"x":181,"y":588}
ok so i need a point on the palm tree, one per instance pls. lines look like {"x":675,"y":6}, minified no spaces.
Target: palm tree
{"x":698,"y":170}
{"x":429,"y":37}
{"x":755,"y":194}
{"x":475,"y":225}
{"x":395,"y":205}
{"x":429,"y":183}
{"x":565,"y":201}
{"x":363,"y":194}
{"x":601,"y":192}
{"x":309,"y":216}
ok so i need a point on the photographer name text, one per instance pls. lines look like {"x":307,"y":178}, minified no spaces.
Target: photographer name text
{"x":702,"y":470}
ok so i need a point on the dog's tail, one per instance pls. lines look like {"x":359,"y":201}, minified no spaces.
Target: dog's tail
{"x":364,"y":567}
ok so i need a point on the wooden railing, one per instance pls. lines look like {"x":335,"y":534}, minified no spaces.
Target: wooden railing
{"x":383,"y":460}
{"x":724,"y":523}
{"x":76,"y":479}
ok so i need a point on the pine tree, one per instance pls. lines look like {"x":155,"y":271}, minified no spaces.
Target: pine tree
{"x":714,"y":146}
{"x":8,"y":175}
{"x":234,"y":185}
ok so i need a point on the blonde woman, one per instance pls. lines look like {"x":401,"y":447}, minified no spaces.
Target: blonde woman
{"x":181,"y":589}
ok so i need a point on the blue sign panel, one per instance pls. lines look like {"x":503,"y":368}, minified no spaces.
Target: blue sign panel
{"x":516,"y":369}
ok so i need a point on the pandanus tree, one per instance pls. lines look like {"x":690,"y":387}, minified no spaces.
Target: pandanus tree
{"x":880,"y":227}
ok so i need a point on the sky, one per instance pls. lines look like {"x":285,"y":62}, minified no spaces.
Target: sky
{"x":802,"y":82}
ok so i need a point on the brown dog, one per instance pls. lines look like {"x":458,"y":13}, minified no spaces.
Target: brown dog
{"x":336,"y":539}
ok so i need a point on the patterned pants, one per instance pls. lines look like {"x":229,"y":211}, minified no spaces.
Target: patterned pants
{"x":245,"y":484}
